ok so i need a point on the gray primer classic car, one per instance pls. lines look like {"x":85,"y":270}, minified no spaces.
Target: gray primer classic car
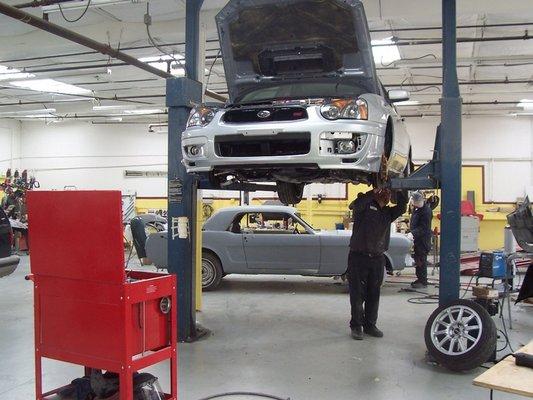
{"x":272,"y":240}
{"x":306,"y":104}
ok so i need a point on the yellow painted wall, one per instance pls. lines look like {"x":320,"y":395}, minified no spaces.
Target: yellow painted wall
{"x":326,"y":214}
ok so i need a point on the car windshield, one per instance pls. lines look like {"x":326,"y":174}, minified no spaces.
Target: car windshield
{"x":301,"y":90}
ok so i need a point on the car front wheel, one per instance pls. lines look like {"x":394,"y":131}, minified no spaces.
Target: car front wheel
{"x":290,"y":193}
{"x":211,"y":271}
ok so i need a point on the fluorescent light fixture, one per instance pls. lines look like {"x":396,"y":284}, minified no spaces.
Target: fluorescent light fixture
{"x":407,"y":103}
{"x":143,"y":111}
{"x":50,"y":86}
{"x":77,"y":5}
{"x":522,"y":114}
{"x":158,"y":128}
{"x":526,"y":104}
{"x":37,"y":116}
{"x":7,"y":73}
{"x":385,"y":51}
{"x":160,"y":62}
{"x":24,"y":113}
{"x":110,"y":108}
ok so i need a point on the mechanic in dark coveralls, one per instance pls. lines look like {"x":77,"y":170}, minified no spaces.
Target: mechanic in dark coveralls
{"x":366,"y":262}
{"x":420,"y":226}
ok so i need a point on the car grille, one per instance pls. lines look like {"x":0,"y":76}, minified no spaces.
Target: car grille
{"x":282,"y":144}
{"x":251,"y":115}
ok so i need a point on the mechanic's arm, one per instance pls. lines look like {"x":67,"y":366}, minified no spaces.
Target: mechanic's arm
{"x":401,"y":206}
{"x":362,"y":200}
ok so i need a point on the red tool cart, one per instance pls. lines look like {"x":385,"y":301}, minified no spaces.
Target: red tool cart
{"x":89,"y":310}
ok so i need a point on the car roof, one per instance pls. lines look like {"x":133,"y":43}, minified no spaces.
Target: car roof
{"x":221,"y":219}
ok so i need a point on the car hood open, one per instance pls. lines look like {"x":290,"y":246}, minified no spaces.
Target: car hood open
{"x":270,"y":42}
{"x":521,"y":223}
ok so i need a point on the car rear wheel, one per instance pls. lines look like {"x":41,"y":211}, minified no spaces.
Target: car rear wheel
{"x":461,"y":335}
{"x":290,"y":193}
{"x":211,"y":271}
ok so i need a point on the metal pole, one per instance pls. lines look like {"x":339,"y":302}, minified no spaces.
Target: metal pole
{"x":182,"y":188}
{"x":450,"y":161}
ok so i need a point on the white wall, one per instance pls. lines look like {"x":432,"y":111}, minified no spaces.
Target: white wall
{"x":9,"y":144}
{"x":504,"y":145}
{"x":91,"y":156}
{"x":95,"y":156}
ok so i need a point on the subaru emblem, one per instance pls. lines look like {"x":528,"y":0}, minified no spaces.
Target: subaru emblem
{"x":264,"y":114}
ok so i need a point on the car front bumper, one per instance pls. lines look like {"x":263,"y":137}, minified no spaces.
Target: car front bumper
{"x":367,"y":158}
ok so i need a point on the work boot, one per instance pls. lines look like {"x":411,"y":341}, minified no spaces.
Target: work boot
{"x":372,"y":330}
{"x":419,"y":285}
{"x":357,"y":333}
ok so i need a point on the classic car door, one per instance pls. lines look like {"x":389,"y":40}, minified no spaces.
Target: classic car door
{"x":277,"y":242}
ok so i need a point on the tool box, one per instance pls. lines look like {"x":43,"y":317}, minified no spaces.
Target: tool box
{"x":89,"y":310}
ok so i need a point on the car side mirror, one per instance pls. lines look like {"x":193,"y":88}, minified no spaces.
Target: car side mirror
{"x":396,"y":95}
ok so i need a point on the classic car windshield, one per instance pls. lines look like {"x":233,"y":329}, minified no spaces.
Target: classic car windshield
{"x":301,"y":90}
{"x":269,"y":222}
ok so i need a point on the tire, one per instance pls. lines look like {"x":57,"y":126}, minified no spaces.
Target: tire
{"x":446,"y":339}
{"x":290,"y":193}
{"x":211,"y":271}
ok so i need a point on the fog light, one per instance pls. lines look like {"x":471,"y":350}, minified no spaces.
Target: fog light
{"x":346,"y":146}
{"x":194,"y":151}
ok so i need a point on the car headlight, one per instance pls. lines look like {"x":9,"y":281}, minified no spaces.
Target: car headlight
{"x":200,"y":116}
{"x":345,"y":109}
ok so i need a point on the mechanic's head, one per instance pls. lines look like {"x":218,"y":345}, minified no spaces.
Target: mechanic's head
{"x":417,"y":199}
{"x":382,"y":196}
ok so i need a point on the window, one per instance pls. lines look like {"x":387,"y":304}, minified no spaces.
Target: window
{"x":268,"y":223}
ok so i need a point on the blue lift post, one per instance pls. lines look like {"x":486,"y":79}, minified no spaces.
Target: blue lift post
{"x":182,"y":94}
{"x":444,"y":170}
{"x":450,"y":157}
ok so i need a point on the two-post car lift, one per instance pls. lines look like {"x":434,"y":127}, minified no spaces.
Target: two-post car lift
{"x":443,"y":171}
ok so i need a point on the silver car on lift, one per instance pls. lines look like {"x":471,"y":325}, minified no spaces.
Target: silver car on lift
{"x":305,"y":103}
{"x":273,"y":240}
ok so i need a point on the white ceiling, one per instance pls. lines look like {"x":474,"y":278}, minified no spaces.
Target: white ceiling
{"x":47,"y":56}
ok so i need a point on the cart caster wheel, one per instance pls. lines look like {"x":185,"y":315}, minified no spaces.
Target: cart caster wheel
{"x":461,"y":335}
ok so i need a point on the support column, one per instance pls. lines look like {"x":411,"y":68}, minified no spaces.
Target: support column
{"x":182,"y":94}
{"x":450,"y":161}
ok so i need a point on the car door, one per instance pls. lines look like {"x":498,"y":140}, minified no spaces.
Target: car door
{"x":281,"y":249}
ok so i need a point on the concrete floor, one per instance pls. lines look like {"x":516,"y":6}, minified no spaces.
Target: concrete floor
{"x":286,"y":336}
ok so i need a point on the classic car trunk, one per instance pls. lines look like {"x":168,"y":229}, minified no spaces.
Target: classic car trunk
{"x":268,"y":42}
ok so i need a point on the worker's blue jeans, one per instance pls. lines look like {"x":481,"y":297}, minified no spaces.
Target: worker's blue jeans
{"x":365,"y":276}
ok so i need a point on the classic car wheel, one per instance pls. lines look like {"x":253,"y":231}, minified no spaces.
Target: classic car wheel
{"x":290,"y":193}
{"x":460,"y":335}
{"x":211,"y":271}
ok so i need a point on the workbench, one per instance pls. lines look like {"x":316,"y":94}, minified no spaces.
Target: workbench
{"x":507,"y":377}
